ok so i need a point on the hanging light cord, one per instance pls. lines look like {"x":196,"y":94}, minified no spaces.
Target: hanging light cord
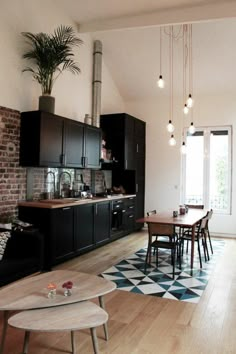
{"x":160,"y":50}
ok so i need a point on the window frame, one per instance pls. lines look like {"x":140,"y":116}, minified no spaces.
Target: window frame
{"x":206,"y":167}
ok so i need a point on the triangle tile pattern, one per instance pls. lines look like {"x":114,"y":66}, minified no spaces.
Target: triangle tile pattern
{"x":188,"y":284}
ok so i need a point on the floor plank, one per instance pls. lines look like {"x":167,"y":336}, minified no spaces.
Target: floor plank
{"x":141,"y":324}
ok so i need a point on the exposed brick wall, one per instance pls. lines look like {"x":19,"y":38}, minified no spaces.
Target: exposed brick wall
{"x":12,"y":176}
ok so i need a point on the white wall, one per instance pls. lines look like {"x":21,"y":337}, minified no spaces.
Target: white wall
{"x":18,"y":91}
{"x":163,"y":163}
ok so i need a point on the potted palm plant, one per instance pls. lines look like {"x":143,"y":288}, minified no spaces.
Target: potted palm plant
{"x":51,"y":54}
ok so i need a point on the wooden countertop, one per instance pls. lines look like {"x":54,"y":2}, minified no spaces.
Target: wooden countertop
{"x":62,"y":203}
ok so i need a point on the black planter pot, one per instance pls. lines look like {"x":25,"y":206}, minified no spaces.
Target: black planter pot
{"x":47,"y":103}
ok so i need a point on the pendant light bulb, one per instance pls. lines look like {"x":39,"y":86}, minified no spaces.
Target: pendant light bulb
{"x":170,"y":127}
{"x":186,"y":109}
{"x":183,"y":148}
{"x":160,"y":82}
{"x":172,"y":141}
{"x":191,"y":129}
{"x":189,"y":101}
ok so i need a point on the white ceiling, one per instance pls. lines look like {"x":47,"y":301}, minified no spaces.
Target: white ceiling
{"x":129,"y":31}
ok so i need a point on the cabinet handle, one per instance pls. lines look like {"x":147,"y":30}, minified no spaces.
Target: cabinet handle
{"x":136,"y":147}
{"x":126,"y":164}
{"x":66,"y":208}
{"x":96,"y":209}
{"x":131,"y":207}
{"x":86,"y":161}
{"x":64,"y":163}
{"x":123,"y":211}
{"x":131,"y":216}
{"x":136,"y":187}
{"x":114,"y":212}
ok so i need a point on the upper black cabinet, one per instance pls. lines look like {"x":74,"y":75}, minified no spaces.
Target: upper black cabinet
{"x":125,"y":137}
{"x":48,"y":140}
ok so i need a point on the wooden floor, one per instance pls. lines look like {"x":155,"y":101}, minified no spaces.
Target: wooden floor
{"x":141,"y":324}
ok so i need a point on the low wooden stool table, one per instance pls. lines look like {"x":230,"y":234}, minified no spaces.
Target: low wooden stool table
{"x":70,"y":317}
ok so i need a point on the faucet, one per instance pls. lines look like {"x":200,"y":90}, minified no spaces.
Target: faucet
{"x":60,"y":178}
{"x":54,"y":180}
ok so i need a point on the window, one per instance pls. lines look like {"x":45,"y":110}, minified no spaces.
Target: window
{"x":206,"y":172}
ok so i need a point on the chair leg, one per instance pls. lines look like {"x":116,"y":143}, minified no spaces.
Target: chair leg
{"x":147,"y":255}
{"x":173,"y":252}
{"x":199,"y":252}
{"x":209,"y":238}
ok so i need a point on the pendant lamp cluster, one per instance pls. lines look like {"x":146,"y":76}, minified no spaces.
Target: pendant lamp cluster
{"x":185,"y":32}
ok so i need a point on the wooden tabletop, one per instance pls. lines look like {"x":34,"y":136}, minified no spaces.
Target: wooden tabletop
{"x":187,"y":220}
{"x":71,"y":317}
{"x":31,"y":293}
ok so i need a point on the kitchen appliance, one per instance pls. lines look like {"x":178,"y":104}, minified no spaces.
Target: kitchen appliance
{"x":117,"y":217}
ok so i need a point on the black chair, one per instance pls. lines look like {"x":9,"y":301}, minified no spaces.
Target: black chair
{"x":150,"y":213}
{"x":190,"y":206}
{"x":209,"y":216}
{"x":200,"y":234}
{"x":165,"y":238}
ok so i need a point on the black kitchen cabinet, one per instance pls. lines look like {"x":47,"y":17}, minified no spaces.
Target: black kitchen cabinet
{"x":129,"y":222}
{"x":125,"y":137}
{"x":92,"y":139}
{"x":84,"y":227}
{"x":62,"y":234}
{"x":48,"y":140}
{"x":57,"y":226}
{"x":102,"y":222}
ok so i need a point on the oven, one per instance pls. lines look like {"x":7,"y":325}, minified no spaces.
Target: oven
{"x":117,"y":217}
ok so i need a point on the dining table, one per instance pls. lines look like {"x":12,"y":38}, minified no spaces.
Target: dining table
{"x":188,"y":220}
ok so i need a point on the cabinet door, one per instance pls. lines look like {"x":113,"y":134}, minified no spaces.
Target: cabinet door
{"x":62,"y":234}
{"x":51,"y":137}
{"x":84,"y":227}
{"x":102,"y":212}
{"x":92,"y":147}
{"x":129,"y":143}
{"x":73,"y":149}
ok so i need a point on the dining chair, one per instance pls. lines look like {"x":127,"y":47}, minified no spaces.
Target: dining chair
{"x":190,"y":206}
{"x":200,"y":234}
{"x":209,"y":216}
{"x":165,"y":238}
{"x":149,"y":213}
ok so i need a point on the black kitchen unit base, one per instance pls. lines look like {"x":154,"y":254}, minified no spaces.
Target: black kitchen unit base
{"x":73,"y":230}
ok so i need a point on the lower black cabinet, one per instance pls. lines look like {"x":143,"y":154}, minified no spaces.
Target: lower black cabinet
{"x":102,"y":230}
{"x":62,"y":234}
{"x":84,"y":227}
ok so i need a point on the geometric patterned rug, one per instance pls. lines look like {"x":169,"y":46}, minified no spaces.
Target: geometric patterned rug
{"x":188,"y":284}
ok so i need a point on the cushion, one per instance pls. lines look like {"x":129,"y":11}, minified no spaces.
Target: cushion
{"x":4,"y":236}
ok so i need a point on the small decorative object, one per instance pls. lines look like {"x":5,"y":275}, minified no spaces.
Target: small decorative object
{"x":68,"y":288}
{"x":51,"y":55}
{"x":186,"y":208}
{"x":175,"y":213}
{"x":52,"y":290}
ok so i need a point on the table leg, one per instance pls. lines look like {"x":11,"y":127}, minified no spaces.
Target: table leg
{"x":192,"y":246}
{"x":26,"y":342}
{"x":4,"y":330}
{"x":73,"y":342}
{"x":95,"y":340}
{"x":102,"y":305}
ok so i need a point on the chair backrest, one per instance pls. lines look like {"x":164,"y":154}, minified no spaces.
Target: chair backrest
{"x":151,"y":212}
{"x":203,"y":223}
{"x":160,"y":229}
{"x":195,"y":206}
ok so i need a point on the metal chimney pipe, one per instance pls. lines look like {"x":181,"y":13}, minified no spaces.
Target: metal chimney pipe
{"x":97,"y":83}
